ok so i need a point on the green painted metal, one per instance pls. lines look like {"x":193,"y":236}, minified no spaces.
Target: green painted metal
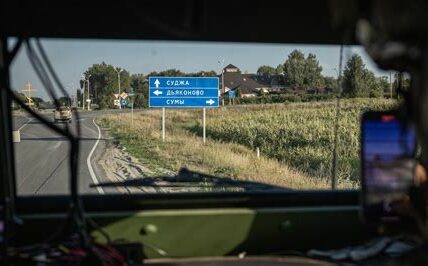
{"x":217,"y":232}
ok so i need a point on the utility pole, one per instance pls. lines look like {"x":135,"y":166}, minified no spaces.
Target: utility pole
{"x":83,"y":96}
{"x":118,"y":70}
{"x":86,"y":79}
{"x":221,"y":62}
{"x":83,"y":92}
{"x":89,"y":96}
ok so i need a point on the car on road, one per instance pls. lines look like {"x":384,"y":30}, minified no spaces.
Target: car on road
{"x":62,"y":113}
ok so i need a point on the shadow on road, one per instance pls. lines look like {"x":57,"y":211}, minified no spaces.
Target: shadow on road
{"x":190,"y":179}
{"x":59,"y":138}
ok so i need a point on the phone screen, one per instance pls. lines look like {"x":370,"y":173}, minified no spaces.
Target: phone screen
{"x":388,"y":163}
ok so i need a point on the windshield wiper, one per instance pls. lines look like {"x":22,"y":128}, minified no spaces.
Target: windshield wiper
{"x":191,"y":179}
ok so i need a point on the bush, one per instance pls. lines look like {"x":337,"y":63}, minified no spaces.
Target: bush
{"x":284,"y":98}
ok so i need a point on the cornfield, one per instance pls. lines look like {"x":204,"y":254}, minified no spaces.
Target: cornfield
{"x":298,"y":135}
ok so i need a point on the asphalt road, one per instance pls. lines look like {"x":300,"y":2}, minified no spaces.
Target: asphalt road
{"x":42,"y":157}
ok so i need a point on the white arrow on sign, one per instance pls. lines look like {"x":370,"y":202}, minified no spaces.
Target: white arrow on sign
{"x":157,"y":83}
{"x":157,"y":92}
{"x":210,"y":102}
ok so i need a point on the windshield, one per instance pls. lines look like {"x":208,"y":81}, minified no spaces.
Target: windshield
{"x":178,"y":117}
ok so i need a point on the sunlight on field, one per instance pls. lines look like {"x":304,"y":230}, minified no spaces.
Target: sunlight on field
{"x":295,"y":141}
{"x":300,"y":135}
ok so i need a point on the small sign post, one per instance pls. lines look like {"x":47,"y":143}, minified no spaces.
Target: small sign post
{"x":116,"y":100}
{"x":232,"y":95}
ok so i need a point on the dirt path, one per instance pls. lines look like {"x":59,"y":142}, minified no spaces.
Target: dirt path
{"x":117,"y":165}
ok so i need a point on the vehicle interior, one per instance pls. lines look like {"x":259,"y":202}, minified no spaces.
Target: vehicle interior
{"x":261,"y":225}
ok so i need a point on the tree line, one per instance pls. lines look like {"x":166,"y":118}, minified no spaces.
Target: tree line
{"x":298,"y":70}
{"x":306,"y":72}
{"x":104,"y":83}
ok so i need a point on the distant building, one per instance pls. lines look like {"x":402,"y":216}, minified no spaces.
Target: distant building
{"x":246,"y":85}
{"x":251,"y":85}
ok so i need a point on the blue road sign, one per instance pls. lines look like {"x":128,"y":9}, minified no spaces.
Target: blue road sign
{"x":232,"y":94}
{"x":183,"y":92}
{"x":123,"y":102}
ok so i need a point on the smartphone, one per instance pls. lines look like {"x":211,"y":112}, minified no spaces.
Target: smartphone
{"x":388,"y":150}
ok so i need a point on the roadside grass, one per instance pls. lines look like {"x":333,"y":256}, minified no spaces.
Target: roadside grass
{"x":143,"y":149}
{"x":296,"y":141}
{"x":299,"y":135}
{"x":185,"y":149}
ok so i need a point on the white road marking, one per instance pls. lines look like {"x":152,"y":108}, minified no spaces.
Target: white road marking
{"x":29,"y":120}
{"x":88,"y":160}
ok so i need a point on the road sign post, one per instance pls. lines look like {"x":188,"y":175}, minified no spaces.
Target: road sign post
{"x":179,"y":92}
{"x":163,"y":123}
{"x":183,"y":92}
{"x":203,"y":124}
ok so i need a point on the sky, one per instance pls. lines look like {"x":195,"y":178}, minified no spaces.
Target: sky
{"x":71,"y":58}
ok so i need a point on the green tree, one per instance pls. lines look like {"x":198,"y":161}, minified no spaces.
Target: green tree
{"x":312,"y":72}
{"x":64,"y":101}
{"x":384,"y":85}
{"x":202,"y":73}
{"x":279,"y":70}
{"x":266,"y":71}
{"x":79,"y":96}
{"x":141,"y":88}
{"x":37,"y":100}
{"x":302,"y":72}
{"x":375,"y":87}
{"x":331,"y":84}
{"x":168,"y":73}
{"x":400,"y":79}
{"x":358,"y":81}
{"x":294,"y":68}
{"x":103,"y":82}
